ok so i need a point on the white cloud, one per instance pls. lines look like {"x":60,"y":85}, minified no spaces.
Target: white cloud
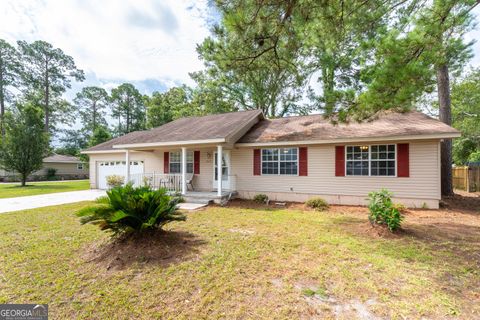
{"x":115,"y":40}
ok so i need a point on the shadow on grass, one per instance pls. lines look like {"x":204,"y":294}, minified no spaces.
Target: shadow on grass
{"x":466,"y":204}
{"x":58,"y":186}
{"x":155,"y":247}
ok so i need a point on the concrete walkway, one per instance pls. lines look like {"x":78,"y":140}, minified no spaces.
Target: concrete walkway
{"x":45,"y":200}
{"x":54,"y":199}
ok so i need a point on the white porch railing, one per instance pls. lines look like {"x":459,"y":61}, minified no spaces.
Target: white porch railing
{"x":170,"y":181}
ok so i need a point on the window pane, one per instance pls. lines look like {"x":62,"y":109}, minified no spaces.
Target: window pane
{"x":288,"y":168}
{"x":175,"y":157}
{"x":269,"y":154}
{"x":288,"y":154}
{"x":175,"y":167}
{"x":269,"y":167}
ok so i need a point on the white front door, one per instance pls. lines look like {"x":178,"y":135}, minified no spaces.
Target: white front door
{"x":225,"y":171}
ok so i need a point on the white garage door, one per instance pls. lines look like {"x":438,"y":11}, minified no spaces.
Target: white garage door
{"x":108,"y":168}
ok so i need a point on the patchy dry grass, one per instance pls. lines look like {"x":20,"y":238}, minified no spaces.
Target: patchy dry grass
{"x":12,"y":190}
{"x":243,"y":263}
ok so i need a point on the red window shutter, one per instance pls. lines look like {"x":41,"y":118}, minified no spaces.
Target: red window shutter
{"x":403,"y":160}
{"x":196,"y":162}
{"x":303,"y":161}
{"x":166,"y":162}
{"x":256,"y":162}
{"x":339,"y":161}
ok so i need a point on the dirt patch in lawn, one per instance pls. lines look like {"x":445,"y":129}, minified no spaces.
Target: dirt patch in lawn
{"x":154,"y":247}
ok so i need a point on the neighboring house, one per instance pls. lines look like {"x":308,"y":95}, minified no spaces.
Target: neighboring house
{"x":289,"y":159}
{"x":67,"y":167}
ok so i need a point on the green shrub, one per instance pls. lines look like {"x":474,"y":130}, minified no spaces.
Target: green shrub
{"x":318,"y":204}
{"x":51,"y":173}
{"x":115,"y":181}
{"x":129,"y":209}
{"x":383,"y":211}
{"x":260,"y":198}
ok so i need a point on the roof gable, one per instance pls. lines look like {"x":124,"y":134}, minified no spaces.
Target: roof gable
{"x":218,"y":126}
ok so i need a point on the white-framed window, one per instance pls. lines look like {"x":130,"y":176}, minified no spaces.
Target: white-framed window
{"x":176,"y":162}
{"x":371,"y":160}
{"x":79,"y":166}
{"x":280,"y":161}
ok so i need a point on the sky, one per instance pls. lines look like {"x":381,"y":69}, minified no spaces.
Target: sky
{"x":150,"y":43}
{"x":146,"y":42}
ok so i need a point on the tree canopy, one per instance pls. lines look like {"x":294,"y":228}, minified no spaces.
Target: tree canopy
{"x":25,"y":143}
{"x":466,"y":117}
{"x":48,"y":72}
{"x":128,"y":108}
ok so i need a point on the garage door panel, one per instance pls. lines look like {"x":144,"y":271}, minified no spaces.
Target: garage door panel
{"x":108,"y":168}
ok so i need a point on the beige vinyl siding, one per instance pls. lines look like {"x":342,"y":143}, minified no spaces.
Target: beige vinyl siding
{"x":63,"y":168}
{"x":423,"y":182}
{"x":153,"y":162}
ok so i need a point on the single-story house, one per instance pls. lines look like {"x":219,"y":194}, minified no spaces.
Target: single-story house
{"x":288,"y":159}
{"x":67,"y":167}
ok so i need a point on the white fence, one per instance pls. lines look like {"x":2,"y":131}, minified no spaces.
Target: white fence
{"x":170,"y":181}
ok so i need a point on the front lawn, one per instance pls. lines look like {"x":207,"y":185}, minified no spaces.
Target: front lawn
{"x":241,"y":263}
{"x":12,"y":190}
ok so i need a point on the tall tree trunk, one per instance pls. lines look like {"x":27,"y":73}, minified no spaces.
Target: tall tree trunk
{"x":24,"y":179}
{"x":2,"y":102}
{"x":47,"y":100}
{"x":2,"y":106}
{"x":328,"y":74}
{"x":128,"y":114}
{"x":445,"y":113}
{"x":94,"y":124}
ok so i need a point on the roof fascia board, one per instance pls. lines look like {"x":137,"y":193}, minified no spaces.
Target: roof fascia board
{"x":168,"y":143}
{"x":102,"y":151}
{"x":351,"y":140}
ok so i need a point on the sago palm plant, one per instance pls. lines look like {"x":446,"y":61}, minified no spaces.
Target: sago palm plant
{"x":129,"y":209}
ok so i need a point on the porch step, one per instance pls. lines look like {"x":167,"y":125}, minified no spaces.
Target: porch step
{"x":206,"y":197}
{"x":197,"y":200}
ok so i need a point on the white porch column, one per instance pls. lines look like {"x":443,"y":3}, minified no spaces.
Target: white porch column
{"x":127,"y":166}
{"x":184,"y":170}
{"x":219,"y":169}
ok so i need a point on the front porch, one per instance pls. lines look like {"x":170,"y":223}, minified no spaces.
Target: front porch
{"x":183,"y":169}
{"x":173,"y":184}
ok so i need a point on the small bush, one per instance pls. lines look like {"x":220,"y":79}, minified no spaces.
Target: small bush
{"x":129,"y":209}
{"x":115,"y":181}
{"x":318,"y":204}
{"x":51,"y":173}
{"x":383,"y":211}
{"x":260,"y":198}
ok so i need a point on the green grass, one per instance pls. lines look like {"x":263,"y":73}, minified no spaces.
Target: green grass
{"x":11,"y":190}
{"x":229,"y":263}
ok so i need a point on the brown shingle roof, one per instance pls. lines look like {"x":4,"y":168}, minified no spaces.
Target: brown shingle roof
{"x":315,"y":127}
{"x":61,"y":158}
{"x":217,"y":126}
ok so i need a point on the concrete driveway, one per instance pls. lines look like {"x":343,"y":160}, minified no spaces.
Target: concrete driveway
{"x":45,"y":200}
{"x":54,"y":199}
